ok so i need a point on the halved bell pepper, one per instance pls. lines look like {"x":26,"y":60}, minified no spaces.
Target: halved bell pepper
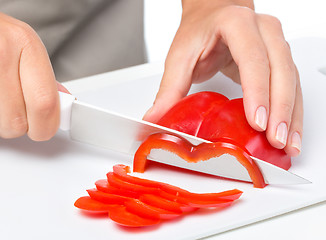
{"x":214,"y":117}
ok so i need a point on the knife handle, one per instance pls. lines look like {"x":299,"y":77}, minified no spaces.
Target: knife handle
{"x":66,"y":101}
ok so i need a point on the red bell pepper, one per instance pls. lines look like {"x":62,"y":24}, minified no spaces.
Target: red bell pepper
{"x":117,"y":182}
{"x":122,"y":216}
{"x":191,"y":153}
{"x":121,"y":171}
{"x":214,"y":117}
{"x":160,"y":202}
{"x":107,"y":198}
{"x":91,"y":205}
{"x":148,"y":211}
{"x":103,"y":186}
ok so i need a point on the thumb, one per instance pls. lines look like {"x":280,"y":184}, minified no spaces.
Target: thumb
{"x":176,"y":80}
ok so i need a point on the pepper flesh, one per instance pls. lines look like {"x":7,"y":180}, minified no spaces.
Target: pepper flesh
{"x":121,"y":171}
{"x":214,"y":117}
{"x":138,"y":202}
{"x":192,"y":153}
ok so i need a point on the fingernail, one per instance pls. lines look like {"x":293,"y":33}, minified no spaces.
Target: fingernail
{"x":261,"y":117}
{"x":282,"y":133}
{"x":296,"y":141}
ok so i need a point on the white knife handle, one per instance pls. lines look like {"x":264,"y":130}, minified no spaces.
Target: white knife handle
{"x":66,"y":101}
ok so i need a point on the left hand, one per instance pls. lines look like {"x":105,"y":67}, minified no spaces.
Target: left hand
{"x":250,"y":48}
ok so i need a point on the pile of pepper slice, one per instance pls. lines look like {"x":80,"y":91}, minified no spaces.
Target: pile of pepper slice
{"x":137,"y":202}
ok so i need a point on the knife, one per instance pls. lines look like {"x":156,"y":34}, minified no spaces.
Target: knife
{"x":104,"y":128}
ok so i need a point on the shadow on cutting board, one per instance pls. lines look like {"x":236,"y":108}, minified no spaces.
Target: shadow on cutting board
{"x":59,"y":145}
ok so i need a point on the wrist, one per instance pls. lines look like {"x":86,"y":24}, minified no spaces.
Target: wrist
{"x":222,"y":3}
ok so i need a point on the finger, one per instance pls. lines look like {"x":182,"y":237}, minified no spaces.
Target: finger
{"x":62,"y":88}
{"x":176,"y":79}
{"x":293,"y":147}
{"x":39,"y":89}
{"x":231,"y":70}
{"x":282,"y":83}
{"x":250,"y":54}
{"x":13,"y":122}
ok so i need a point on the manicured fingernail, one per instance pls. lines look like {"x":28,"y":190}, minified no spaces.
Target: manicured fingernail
{"x":282,"y":133}
{"x":296,"y":141}
{"x":261,"y":117}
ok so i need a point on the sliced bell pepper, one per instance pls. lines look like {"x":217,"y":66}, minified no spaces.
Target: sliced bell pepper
{"x":192,"y":153}
{"x":107,"y":198}
{"x":117,"y":182}
{"x":147,"y":211}
{"x":122,"y":216}
{"x":193,"y":204}
{"x":122,"y":172}
{"x":104,"y":186}
{"x":89,"y":204}
{"x":160,"y":202}
{"x":136,"y":205}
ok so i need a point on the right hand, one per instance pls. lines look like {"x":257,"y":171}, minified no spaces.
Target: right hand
{"x":29,"y":101}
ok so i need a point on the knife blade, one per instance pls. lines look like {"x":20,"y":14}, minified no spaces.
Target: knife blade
{"x":104,"y":128}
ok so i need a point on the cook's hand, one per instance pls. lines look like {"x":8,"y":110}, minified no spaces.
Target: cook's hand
{"x":29,"y":100}
{"x":249,"y":48}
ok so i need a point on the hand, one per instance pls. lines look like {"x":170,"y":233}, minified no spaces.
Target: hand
{"x":249,"y":48}
{"x":29,"y":101}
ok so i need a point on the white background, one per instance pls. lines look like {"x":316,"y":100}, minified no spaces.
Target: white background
{"x":298,"y":17}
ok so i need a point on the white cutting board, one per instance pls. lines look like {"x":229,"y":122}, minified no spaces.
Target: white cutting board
{"x":39,"y":182}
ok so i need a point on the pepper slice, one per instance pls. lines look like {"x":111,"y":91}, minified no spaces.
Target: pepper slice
{"x":193,"y":204}
{"x":147,"y":211}
{"x":104,"y":186}
{"x":117,"y":182}
{"x":192,"y":153}
{"x":122,"y":216}
{"x":121,"y":171}
{"x":160,"y":202}
{"x":136,"y":205}
{"x":107,"y":198}
{"x":88,"y":204}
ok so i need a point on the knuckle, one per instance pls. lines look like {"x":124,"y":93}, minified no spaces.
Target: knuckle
{"x":4,"y":47}
{"x":44,"y":103}
{"x":286,"y":107}
{"x":24,"y":32}
{"x":19,"y":125}
{"x":259,"y":57}
{"x":15,"y":127}
{"x":272,"y":21}
{"x":260,"y":91}
{"x":243,"y":14}
{"x":289,"y":67}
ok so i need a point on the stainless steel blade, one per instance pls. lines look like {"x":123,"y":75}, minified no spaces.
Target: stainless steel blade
{"x":228,"y":166}
{"x":276,"y":175}
{"x":107,"y":129}
{"x":103,"y":128}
